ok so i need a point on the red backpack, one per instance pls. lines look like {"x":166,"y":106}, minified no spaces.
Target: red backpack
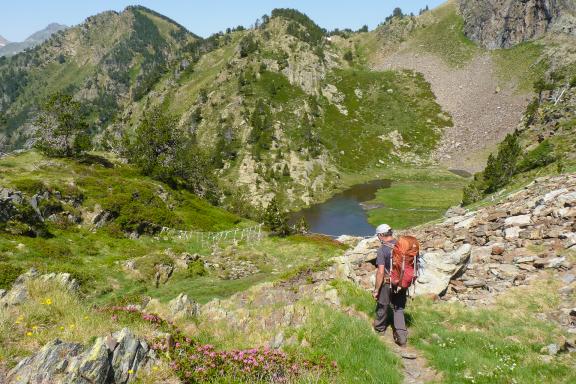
{"x":404,"y":260}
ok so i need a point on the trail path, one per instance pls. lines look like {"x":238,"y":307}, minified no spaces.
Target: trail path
{"x":415,"y":369}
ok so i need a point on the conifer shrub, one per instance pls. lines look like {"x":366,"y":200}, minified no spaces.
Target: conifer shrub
{"x":163,"y":151}
{"x":63,"y":130}
{"x":540,"y":156}
{"x":499,"y":170}
{"x":275,"y":219}
{"x":531,"y":111}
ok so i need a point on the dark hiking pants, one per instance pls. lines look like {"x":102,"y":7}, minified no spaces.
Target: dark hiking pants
{"x":397,"y":300}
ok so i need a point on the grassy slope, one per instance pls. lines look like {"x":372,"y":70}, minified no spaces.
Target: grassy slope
{"x":407,"y":204}
{"x":489,"y":345}
{"x":445,"y":37}
{"x":95,"y":257}
{"x":108,"y":187}
{"x":391,"y":101}
{"x":360,"y":355}
{"x":522,"y":64}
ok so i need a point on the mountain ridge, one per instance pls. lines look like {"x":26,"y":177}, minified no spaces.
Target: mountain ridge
{"x":317,"y":82}
{"x":12,"y":48}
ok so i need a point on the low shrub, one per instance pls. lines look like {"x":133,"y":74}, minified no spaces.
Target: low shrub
{"x":8,"y":274}
{"x":29,"y":186}
{"x":54,"y":250}
{"x":133,"y":208}
{"x":194,"y":362}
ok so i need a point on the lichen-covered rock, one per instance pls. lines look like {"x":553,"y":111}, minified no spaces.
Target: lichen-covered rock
{"x":50,"y":362}
{"x":19,"y":291}
{"x":110,"y":360}
{"x":182,"y":306}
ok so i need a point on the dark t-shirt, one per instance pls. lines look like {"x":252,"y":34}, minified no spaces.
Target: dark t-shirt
{"x":384,"y":255}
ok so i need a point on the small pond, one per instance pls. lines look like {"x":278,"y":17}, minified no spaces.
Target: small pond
{"x":343,"y":213}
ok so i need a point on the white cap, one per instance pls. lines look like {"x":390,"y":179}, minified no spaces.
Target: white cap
{"x":383,"y":228}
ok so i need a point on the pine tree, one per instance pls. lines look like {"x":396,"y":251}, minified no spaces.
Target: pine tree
{"x":63,"y":128}
{"x":302,"y":226}
{"x":500,"y":168}
{"x":275,"y":219}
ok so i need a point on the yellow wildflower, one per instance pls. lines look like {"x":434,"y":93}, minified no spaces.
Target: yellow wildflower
{"x":61,"y":327}
{"x":28,"y":333}
{"x":154,"y":368}
{"x":35,"y":327}
{"x":48,"y":301}
{"x":130,"y":371}
{"x":72,"y":325}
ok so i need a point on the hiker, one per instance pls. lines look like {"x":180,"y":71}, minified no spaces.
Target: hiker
{"x":385,"y":293}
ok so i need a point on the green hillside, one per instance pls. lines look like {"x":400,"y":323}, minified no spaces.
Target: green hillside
{"x":280,"y":110}
{"x":308,"y":92}
{"x":107,"y":62}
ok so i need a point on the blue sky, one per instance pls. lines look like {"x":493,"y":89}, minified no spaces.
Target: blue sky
{"x":21,"y":18}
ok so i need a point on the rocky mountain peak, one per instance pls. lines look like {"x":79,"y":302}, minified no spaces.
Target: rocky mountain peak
{"x":505,"y":23}
{"x":37,"y":38}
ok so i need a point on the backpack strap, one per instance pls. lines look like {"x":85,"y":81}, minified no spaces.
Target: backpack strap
{"x":402,"y":270}
{"x":391,"y":247}
{"x":388,"y":245}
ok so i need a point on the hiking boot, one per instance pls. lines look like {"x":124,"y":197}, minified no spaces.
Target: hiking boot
{"x":396,"y":338}
{"x":380,"y":332}
{"x":408,"y":355}
{"x":405,"y":354}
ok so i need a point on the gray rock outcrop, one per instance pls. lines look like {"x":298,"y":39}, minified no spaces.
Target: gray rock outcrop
{"x":505,"y":23}
{"x":114,"y":359}
{"x":439,"y":268}
{"x":182,"y":306}
{"x":19,"y":290}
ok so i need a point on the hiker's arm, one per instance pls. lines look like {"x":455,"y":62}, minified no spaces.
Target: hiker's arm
{"x":379,"y":280}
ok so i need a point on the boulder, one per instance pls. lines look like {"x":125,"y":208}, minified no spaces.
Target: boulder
{"x":351,"y":241}
{"x":525,"y":260}
{"x":466,"y":223}
{"x":498,"y":249}
{"x":480,"y":254}
{"x":518,"y":221}
{"x":567,"y":199}
{"x":182,"y":306}
{"x":512,"y":233}
{"x":455,"y":211}
{"x":364,"y":251}
{"x":475,"y":283}
{"x":550,"y":196}
{"x":555,"y":262}
{"x":440,"y":268}
{"x":110,"y":360}
{"x":508,"y":269}
{"x":52,"y":360}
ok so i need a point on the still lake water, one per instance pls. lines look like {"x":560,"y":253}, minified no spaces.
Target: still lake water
{"x":343,"y":213}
